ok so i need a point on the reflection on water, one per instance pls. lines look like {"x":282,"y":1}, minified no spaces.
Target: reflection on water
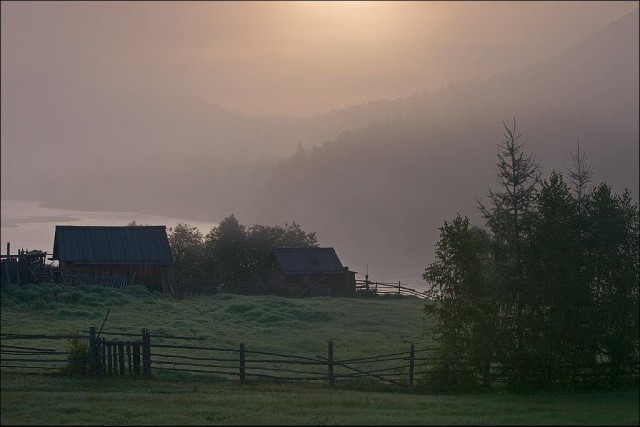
{"x":26,"y":225}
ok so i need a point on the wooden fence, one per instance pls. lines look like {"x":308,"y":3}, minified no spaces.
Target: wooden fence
{"x":249,"y":287}
{"x":26,"y":267}
{"x":382,"y":288}
{"x":29,"y":352}
{"x":144,"y":354}
{"x":118,"y":282}
{"x":246,"y":364}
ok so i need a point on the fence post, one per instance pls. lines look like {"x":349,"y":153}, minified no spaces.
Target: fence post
{"x":242,"y":362}
{"x":330,"y":362}
{"x":136,"y":358}
{"x":103,"y":355}
{"x":121,"y":357}
{"x":398,"y":287}
{"x":411,"y":363}
{"x":129,"y":357}
{"x":146,"y":353}
{"x":94,"y":360}
{"x":109,"y":357}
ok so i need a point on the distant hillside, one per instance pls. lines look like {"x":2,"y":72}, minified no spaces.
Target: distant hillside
{"x":382,"y":192}
{"x":376,"y":181}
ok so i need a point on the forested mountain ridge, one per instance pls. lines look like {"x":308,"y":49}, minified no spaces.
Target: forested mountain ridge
{"x":384,"y":190}
{"x":376,"y":180}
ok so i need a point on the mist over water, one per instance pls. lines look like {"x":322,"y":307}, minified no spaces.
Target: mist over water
{"x":369,"y":123}
{"x":27,"y":225}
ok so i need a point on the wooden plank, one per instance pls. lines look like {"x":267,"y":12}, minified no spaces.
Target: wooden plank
{"x":109,"y":358}
{"x":136,"y":358}
{"x":121,"y":357}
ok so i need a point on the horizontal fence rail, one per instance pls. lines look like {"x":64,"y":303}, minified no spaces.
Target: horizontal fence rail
{"x":36,"y":352}
{"x":144,"y":353}
{"x":253,"y":287}
{"x":382,"y":288}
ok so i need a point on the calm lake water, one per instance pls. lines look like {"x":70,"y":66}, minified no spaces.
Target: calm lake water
{"x":27,"y":225}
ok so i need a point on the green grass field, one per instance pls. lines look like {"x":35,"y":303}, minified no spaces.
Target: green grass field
{"x":357,"y":326}
{"x":47,"y":400}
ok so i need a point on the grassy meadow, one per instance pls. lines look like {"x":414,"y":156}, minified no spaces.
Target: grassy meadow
{"x":357,"y":326}
{"x":41,"y":400}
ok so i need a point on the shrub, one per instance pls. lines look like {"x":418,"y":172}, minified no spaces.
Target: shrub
{"x":78,"y":358}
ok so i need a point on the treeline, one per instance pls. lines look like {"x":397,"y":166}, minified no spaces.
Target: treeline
{"x":230,"y":251}
{"x":548,"y":288}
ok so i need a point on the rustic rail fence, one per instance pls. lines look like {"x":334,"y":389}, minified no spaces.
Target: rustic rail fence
{"x":363,"y":287}
{"x":120,"y":354}
{"x":386,"y":288}
{"x":26,"y":267}
{"x":245,"y":364}
{"x":32,"y":352}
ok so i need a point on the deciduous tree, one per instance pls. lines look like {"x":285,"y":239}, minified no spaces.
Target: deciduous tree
{"x":463,"y":300}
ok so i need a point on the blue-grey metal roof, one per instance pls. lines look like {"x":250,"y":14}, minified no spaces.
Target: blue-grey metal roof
{"x":112,"y":245}
{"x":307,"y":260}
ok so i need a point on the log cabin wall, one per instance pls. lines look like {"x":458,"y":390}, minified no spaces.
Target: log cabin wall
{"x":149,"y":276}
{"x":307,"y":272}
{"x":114,"y":251}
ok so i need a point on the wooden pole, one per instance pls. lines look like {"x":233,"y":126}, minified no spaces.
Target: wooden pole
{"x":103,"y":356}
{"x":330,"y":362}
{"x":109,"y":358}
{"x":146,"y":353}
{"x":121,"y":357}
{"x":411,"y":363}
{"x":18,"y":267}
{"x":398,"y":287}
{"x":129,"y":358}
{"x":136,"y":358}
{"x":242,"y":362}
{"x":93,"y":349}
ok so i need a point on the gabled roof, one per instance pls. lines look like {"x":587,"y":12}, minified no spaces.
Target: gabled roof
{"x":307,"y":260}
{"x":112,"y":245}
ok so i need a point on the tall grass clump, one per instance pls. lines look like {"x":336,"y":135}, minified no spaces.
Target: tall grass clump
{"x":78,"y":357}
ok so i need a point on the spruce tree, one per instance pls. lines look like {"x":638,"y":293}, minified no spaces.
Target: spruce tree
{"x":508,"y":217}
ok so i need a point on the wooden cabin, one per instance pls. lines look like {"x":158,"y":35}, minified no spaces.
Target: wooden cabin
{"x":115,"y":256}
{"x":307,"y":272}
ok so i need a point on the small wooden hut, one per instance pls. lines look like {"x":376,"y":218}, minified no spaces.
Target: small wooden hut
{"x":115,"y":256}
{"x":307,"y":271}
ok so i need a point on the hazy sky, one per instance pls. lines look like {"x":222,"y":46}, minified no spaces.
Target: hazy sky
{"x":285,"y":58}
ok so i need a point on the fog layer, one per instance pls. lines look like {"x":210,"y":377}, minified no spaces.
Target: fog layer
{"x":101,"y":110}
